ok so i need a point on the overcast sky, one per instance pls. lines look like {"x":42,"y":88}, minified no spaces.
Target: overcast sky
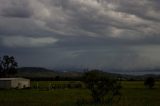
{"x":104,"y":34}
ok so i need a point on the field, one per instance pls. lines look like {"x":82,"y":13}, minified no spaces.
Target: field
{"x":133,"y":94}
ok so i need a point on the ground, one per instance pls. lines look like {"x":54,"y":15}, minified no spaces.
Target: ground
{"x":133,"y":94}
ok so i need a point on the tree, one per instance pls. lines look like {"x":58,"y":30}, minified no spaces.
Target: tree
{"x":101,"y":85}
{"x":149,"y":82}
{"x":8,"y":66}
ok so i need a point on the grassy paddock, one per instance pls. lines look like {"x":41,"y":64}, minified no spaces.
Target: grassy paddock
{"x":133,"y":94}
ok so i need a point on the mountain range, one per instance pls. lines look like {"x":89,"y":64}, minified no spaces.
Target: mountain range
{"x":36,"y":72}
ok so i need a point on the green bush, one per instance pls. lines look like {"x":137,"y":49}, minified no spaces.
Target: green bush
{"x":101,"y":86}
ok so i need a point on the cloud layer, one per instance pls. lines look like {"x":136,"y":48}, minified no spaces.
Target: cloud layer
{"x":20,"y":41}
{"x":91,"y":26}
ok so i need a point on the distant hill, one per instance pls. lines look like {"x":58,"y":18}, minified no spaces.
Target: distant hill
{"x":43,"y":72}
{"x":35,"y":72}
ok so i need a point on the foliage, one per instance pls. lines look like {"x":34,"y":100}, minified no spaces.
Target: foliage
{"x":8,"y":66}
{"x":101,"y":85}
{"x":149,"y":82}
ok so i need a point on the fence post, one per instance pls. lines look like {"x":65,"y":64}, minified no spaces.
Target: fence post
{"x":37,"y":85}
{"x":49,"y":86}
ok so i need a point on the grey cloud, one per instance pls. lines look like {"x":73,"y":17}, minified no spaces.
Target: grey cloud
{"x":23,"y":42}
{"x":103,"y":18}
{"x":99,"y":33}
{"x":23,"y":27}
{"x":106,"y":58}
{"x":16,"y":8}
{"x":92,"y":18}
{"x":147,"y":9}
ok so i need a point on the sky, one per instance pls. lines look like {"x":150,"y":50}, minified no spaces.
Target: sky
{"x":100,"y":34}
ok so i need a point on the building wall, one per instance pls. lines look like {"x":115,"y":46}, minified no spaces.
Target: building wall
{"x":5,"y":84}
{"x":14,"y":83}
{"x":20,"y":83}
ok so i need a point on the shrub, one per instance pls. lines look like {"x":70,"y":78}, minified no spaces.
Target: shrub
{"x":149,"y":82}
{"x":101,"y":85}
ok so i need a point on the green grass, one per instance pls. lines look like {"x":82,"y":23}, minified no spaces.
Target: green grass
{"x":133,"y":94}
{"x":41,"y":98}
{"x":47,"y":83}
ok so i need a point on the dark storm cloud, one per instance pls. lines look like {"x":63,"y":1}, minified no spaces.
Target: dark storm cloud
{"x":16,"y":8}
{"x":147,"y":9}
{"x":104,"y":19}
{"x":16,"y":12}
{"x":122,"y":20}
{"x":23,"y":27}
{"x":99,"y":33}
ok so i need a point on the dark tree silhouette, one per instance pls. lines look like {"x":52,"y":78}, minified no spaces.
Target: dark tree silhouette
{"x":8,"y":66}
{"x":149,"y":82}
{"x":101,"y":85}
{"x":57,"y":78}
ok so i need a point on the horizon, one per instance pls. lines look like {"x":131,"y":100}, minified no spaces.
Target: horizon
{"x":114,"y":71}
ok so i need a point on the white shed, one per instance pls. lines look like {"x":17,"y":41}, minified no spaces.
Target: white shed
{"x":19,"y":83}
